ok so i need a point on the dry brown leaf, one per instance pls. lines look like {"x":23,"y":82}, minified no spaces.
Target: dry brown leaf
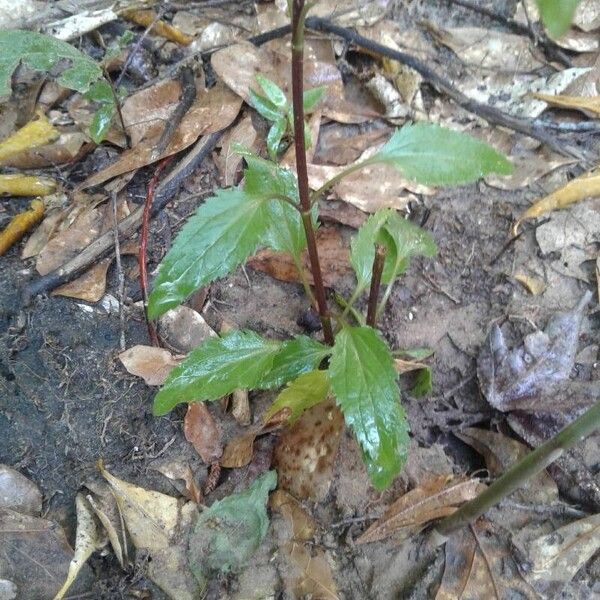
{"x":203,"y":432}
{"x":584,"y":186}
{"x":333,"y":254}
{"x":145,"y":18}
{"x":20,"y":224}
{"x":406,"y":366}
{"x":16,"y":184}
{"x":19,"y":493}
{"x":152,"y":364}
{"x":305,"y":453}
{"x":584,"y":104}
{"x":332,"y":211}
{"x":229,"y":161}
{"x":534,"y":285}
{"x":184,"y":329}
{"x":302,"y":524}
{"x":433,"y":499}
{"x":47,"y":228}
{"x":37,"y":132}
{"x":176,"y":471}
{"x":500,"y":453}
{"x":213,"y":110}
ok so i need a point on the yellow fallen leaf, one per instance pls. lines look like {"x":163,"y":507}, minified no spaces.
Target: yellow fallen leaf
{"x":37,"y":132}
{"x":533,"y":285}
{"x":145,"y":18}
{"x":20,"y":224}
{"x":585,"y":186}
{"x":16,"y":184}
{"x":584,"y":103}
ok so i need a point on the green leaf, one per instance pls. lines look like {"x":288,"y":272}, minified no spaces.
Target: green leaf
{"x":264,"y":107}
{"x":101,"y":122}
{"x":42,"y":53}
{"x":362,"y":246}
{"x":221,"y":235}
{"x":229,"y":532}
{"x":307,"y":390}
{"x":557,"y":15}
{"x":286,"y":231}
{"x":266,"y":179}
{"x":423,"y":383}
{"x":297,"y":356}
{"x":312,"y":97}
{"x":274,"y":136}
{"x":274,"y":93}
{"x":414,"y":353}
{"x":433,"y":155}
{"x":101,"y":92}
{"x":239,"y":359}
{"x":363,"y":379}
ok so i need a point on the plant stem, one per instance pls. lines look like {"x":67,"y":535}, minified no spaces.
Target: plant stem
{"x":298,"y":15}
{"x":347,"y":307}
{"x":518,"y":474}
{"x":378,"y":263}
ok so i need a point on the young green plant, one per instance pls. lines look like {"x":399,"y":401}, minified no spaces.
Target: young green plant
{"x":275,"y":209}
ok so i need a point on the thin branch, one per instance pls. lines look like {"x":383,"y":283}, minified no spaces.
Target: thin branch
{"x":378,"y":263}
{"x":120,"y":276}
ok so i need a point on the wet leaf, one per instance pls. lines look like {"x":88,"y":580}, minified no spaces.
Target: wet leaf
{"x":239,"y":359}
{"x":20,"y":224}
{"x":223,"y":232}
{"x":510,"y":378}
{"x":301,"y":394}
{"x":584,"y":186}
{"x":19,"y":493}
{"x":305,"y":453}
{"x":89,"y":538}
{"x":363,"y":380}
{"x":152,"y":364}
{"x":145,"y":18}
{"x":16,"y":184}
{"x":436,"y":498}
{"x":202,"y":431}
{"x":500,"y":453}
{"x":227,"y":534}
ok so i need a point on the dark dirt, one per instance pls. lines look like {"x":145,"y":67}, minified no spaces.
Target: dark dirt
{"x":66,"y":401}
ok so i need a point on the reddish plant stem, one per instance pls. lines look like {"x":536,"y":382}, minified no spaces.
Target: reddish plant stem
{"x":144,"y":244}
{"x":378,"y":263}
{"x":298,"y":14}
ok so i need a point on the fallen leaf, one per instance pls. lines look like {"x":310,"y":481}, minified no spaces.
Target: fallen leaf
{"x":586,"y":105}
{"x":333,"y":254}
{"x":17,"y":184}
{"x":438,"y":497}
{"x":19,"y":493}
{"x":313,"y":573}
{"x":406,"y":366}
{"x":303,"y":526}
{"x":202,"y":431}
{"x":184,"y":329}
{"x":20,"y":224}
{"x":305,"y":453}
{"x":584,"y":186}
{"x":152,"y":364}
{"x":176,"y":471}
{"x":77,"y":25}
{"x":229,"y":161}
{"x":533,"y":285}
{"x":587,"y":15}
{"x":341,"y":212}
{"x":35,"y":133}
{"x":500,"y":453}
{"x":210,"y":33}
{"x":88,"y":539}
{"x":508,"y":378}
{"x":145,"y":18}
{"x":213,"y":110}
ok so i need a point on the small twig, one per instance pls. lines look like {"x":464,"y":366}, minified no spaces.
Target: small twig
{"x":582,"y":127}
{"x":144,"y":244}
{"x":513,"y":239}
{"x":439,"y":289}
{"x":378,"y":263}
{"x":120,"y":276}
{"x":188,"y":95}
{"x":113,"y":89}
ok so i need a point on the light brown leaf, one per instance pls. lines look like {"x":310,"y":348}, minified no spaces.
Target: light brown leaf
{"x":302,"y":524}
{"x":333,"y":253}
{"x":176,"y":471}
{"x":315,"y":579}
{"x":19,"y":493}
{"x":184,"y":329}
{"x":341,"y":212}
{"x":229,"y":161}
{"x":500,"y":453}
{"x":584,"y":104}
{"x":436,"y":498}
{"x":305,"y":453}
{"x":202,"y":431}
{"x":584,"y":186}
{"x":406,"y":366}
{"x":152,"y":364}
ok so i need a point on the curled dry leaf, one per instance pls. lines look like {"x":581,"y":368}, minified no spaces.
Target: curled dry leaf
{"x":333,"y":253}
{"x":584,"y":186}
{"x":19,"y":493}
{"x":305,"y":453}
{"x":176,"y":471}
{"x":20,"y":224}
{"x":203,"y":432}
{"x":434,"y":499}
{"x":152,"y":364}
{"x":534,"y":285}
{"x":500,"y":453}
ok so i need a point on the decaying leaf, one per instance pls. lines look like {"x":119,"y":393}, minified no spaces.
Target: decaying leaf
{"x":303,"y":526}
{"x":500,"y":453}
{"x":534,"y":285}
{"x":438,"y":497}
{"x":341,"y":212}
{"x":176,"y":471}
{"x":152,"y":364}
{"x":584,"y":186}
{"x":508,"y":378}
{"x":89,"y":538}
{"x":145,"y":18}
{"x":333,"y":254}
{"x":305,"y":453}
{"x":203,"y":432}
{"x":26,"y":185}
{"x":184,"y":329}
{"x":20,"y":224}
{"x":36,"y":133}
{"x":19,"y":493}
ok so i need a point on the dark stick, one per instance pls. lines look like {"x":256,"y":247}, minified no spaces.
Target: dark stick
{"x":489,"y":113}
{"x":104,"y":245}
{"x":144,"y":244}
{"x":378,"y":263}
{"x":188,"y":95}
{"x":298,"y":14}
